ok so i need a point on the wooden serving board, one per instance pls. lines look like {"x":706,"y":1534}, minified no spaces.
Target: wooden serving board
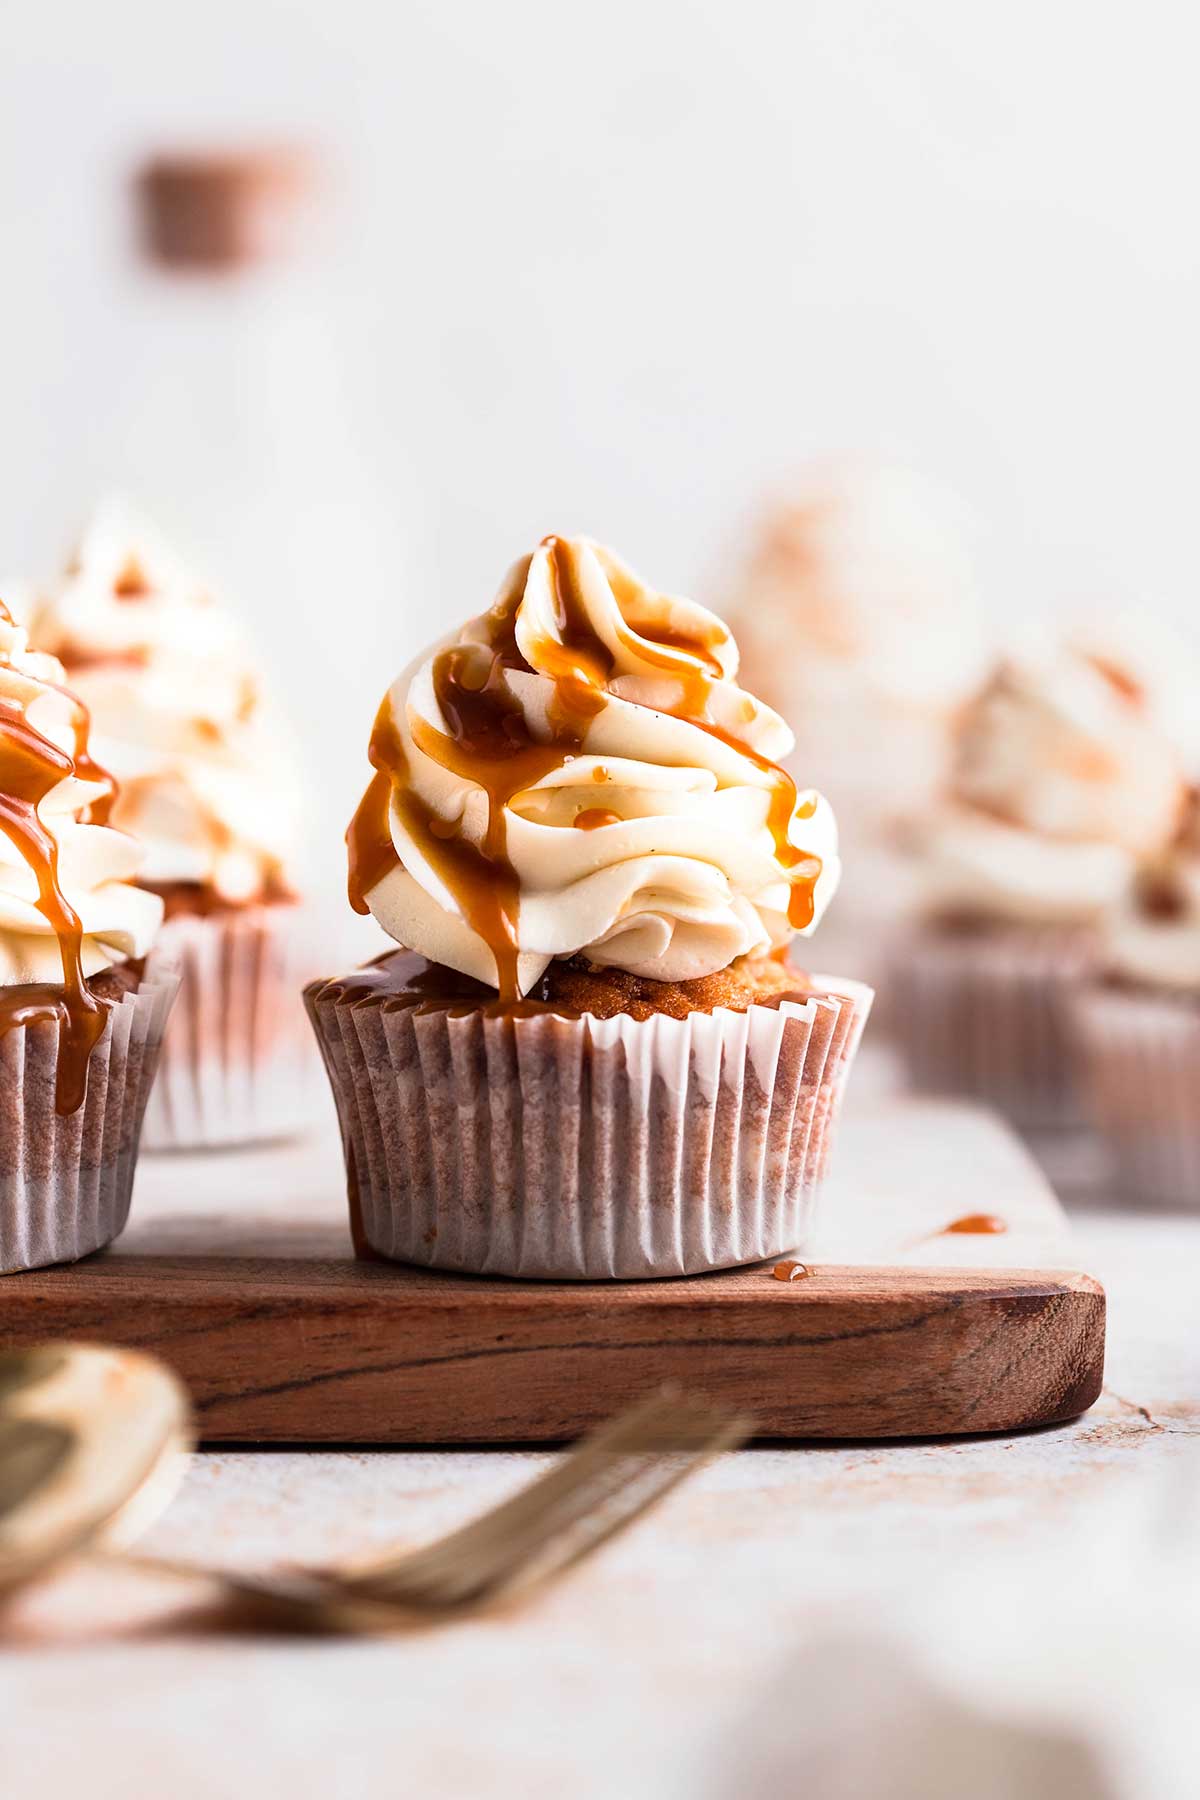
{"x":236,"y":1269}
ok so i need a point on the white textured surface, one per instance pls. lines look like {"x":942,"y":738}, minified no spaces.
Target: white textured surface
{"x":646,"y":1675}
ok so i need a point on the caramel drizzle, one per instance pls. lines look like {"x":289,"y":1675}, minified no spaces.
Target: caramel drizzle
{"x":30,"y":768}
{"x":488,"y":743}
{"x":99,"y":811}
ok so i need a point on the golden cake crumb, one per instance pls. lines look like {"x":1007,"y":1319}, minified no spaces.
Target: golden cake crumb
{"x":581,"y":987}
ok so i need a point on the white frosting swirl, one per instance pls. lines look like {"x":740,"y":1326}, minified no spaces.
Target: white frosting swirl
{"x":95,"y":864}
{"x":863,"y":589}
{"x":682,"y":873}
{"x":177,"y":714}
{"x":1061,"y":783}
{"x":1156,"y":664}
{"x":1153,"y":936}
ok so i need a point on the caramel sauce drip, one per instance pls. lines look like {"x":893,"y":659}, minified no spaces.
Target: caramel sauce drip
{"x":791,"y":1271}
{"x":369,"y":847}
{"x":976,"y":1225}
{"x":1125,"y":684}
{"x":488,"y":742}
{"x":131,"y":583}
{"x":77,"y":659}
{"x":99,"y":812}
{"x":783,"y":808}
{"x":30,"y":768}
{"x":594,"y":818}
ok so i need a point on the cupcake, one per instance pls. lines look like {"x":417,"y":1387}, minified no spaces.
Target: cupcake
{"x":859,"y":618}
{"x":589,"y":1056}
{"x":1061,"y":782}
{"x":207,"y":789}
{"x":83,"y":999}
{"x":1137,"y":1028}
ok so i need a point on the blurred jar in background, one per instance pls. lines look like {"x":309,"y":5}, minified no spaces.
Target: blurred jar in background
{"x":859,"y":619}
{"x":235,"y":415}
{"x":220,"y":211}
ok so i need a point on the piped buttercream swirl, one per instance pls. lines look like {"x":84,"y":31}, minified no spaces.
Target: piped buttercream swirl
{"x":67,"y":904}
{"x":178,"y":714}
{"x":578,"y":772}
{"x":1062,"y":781}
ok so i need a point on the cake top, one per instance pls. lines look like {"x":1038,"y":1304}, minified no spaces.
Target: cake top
{"x":67,"y":908}
{"x":1062,"y":781}
{"x":178,"y":713}
{"x":576,"y":772}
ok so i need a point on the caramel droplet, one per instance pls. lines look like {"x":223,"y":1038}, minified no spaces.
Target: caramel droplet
{"x":976,"y":1224}
{"x":791,"y":1271}
{"x":594,"y":817}
{"x":131,"y":583}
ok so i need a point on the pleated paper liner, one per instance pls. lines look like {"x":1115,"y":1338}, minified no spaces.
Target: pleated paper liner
{"x":1139,"y":1056}
{"x":66,"y":1179}
{"x":586,"y":1149}
{"x":983,"y":1013}
{"x":238,"y":1064}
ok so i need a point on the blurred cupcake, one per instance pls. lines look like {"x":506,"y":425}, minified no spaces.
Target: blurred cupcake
{"x":591,"y":1057}
{"x":1137,"y":1028}
{"x":1061,"y":783}
{"x":207,"y":789}
{"x":859,"y":620}
{"x":83,"y":1000}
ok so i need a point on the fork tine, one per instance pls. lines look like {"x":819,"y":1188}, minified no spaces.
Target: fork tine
{"x":609,"y":1441}
{"x":638,"y":1496}
{"x":614,"y":1476}
{"x":444,"y":1583}
{"x":655,"y":1422}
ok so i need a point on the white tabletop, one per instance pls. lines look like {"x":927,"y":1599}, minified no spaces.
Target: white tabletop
{"x":645,"y":1674}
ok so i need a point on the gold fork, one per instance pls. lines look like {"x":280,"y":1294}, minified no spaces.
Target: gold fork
{"x":612,"y":1477}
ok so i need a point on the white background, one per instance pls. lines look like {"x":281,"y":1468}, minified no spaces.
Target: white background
{"x":616,"y":269}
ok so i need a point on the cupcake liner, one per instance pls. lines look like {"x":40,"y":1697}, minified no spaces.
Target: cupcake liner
{"x":1139,"y":1059}
{"x":65,"y":1179}
{"x":237,"y":1065}
{"x":984,"y":1014}
{"x":585,"y":1149}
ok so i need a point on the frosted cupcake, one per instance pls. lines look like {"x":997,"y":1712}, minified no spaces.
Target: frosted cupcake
{"x":1137,"y":1028}
{"x":858,"y":617}
{"x":82,"y":1003}
{"x":207,"y":789}
{"x":590,"y":1057}
{"x":1061,"y":783}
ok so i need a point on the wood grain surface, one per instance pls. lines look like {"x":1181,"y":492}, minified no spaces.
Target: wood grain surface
{"x":286,"y":1343}
{"x":236,"y":1268}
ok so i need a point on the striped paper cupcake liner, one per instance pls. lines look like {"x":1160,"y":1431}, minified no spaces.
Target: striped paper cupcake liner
{"x":983,"y":1014}
{"x":66,"y":1179}
{"x":1139,"y":1055}
{"x":238,"y":1065}
{"x":586,"y":1149}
